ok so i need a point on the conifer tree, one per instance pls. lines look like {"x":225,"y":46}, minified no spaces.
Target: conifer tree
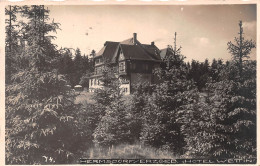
{"x":240,"y":49}
{"x":43,"y":125}
{"x":161,"y":127}
{"x":227,"y":127}
{"x":234,"y":105}
{"x":11,"y":40}
{"x":113,"y":127}
{"x":236,"y":95}
{"x":65,"y":64}
{"x":215,"y":69}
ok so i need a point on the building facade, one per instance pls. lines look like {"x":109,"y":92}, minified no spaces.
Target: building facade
{"x":132,"y":62}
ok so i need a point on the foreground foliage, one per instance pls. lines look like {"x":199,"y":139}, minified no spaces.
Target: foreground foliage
{"x":198,"y":110}
{"x":43,"y":125}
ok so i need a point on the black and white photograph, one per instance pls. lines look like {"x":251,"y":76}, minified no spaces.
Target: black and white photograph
{"x":130,"y":84}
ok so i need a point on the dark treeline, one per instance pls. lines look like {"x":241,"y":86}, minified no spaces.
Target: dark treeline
{"x":201,"y":72}
{"x":75,"y":68}
{"x":197,"y":110}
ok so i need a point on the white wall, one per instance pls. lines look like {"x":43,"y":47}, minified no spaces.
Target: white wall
{"x":124,"y":87}
{"x":94,"y":84}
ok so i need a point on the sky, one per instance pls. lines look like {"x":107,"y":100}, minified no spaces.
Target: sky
{"x":202,"y":30}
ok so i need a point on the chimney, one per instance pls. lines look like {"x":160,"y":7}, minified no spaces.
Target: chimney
{"x":152,"y":43}
{"x":134,"y":38}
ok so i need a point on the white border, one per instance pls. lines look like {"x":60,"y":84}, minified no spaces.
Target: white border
{"x":3,"y":3}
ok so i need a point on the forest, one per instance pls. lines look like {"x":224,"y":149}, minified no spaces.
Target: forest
{"x":197,"y":110}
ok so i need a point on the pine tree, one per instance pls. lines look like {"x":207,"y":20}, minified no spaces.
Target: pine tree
{"x":88,"y":68}
{"x":161,"y":128}
{"x":11,"y":41}
{"x":78,"y":69}
{"x":215,"y":69}
{"x":84,"y":80}
{"x":227,"y":127}
{"x":113,"y":127}
{"x":66,"y":66}
{"x":65,"y":63}
{"x":42,"y":121}
{"x":241,"y":49}
{"x":110,"y":87}
{"x":85,"y":63}
{"x":234,"y":102}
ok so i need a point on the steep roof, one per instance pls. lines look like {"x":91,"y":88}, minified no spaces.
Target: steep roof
{"x":131,"y":50}
{"x":135,"y":52}
{"x":108,"y":50}
{"x":153,"y":51}
{"x":100,"y":52}
{"x":165,"y":52}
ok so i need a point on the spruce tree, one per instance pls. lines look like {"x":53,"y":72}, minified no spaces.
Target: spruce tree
{"x":161,"y":127}
{"x":223,"y":125}
{"x":78,"y":69}
{"x":11,"y":41}
{"x":113,"y":127}
{"x":43,"y":125}
{"x":234,"y":103}
{"x":241,"y":49}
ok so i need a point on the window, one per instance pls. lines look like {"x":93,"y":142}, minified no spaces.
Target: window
{"x":124,"y":81}
{"x":91,"y":82}
{"x":122,"y":66}
{"x":99,"y":60}
{"x":125,"y":90}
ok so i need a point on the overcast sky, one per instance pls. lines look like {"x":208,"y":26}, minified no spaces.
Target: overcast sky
{"x":202,"y":30}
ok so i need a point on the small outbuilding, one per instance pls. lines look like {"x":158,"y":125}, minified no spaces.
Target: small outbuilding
{"x":78,"y":88}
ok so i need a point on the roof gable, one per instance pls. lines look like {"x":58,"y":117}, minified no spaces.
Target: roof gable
{"x":121,"y":55}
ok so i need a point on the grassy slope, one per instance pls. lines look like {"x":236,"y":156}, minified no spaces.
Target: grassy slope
{"x":125,"y":151}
